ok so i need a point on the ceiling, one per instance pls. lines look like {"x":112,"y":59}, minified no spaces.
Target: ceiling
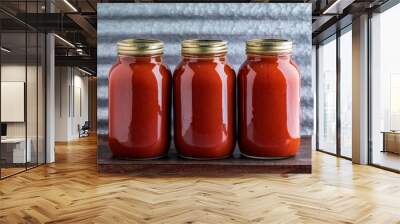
{"x":75,"y":21}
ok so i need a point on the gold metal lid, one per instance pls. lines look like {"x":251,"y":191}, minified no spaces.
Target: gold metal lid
{"x":268,"y":46}
{"x":140,"y":47}
{"x":198,"y":46}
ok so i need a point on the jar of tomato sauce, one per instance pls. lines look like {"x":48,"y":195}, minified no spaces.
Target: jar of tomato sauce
{"x":269,"y":100}
{"x":139,"y":103}
{"x":204,"y":101}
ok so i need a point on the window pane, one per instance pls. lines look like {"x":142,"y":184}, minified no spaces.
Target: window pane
{"x":346,"y":94}
{"x":327,"y":97}
{"x":385,"y":114}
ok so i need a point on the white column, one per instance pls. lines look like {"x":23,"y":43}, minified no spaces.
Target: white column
{"x":50,"y":93}
{"x":50,"y":100}
{"x":360,"y":90}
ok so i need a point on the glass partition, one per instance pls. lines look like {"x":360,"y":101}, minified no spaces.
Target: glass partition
{"x":15,"y":150}
{"x":22,"y":88}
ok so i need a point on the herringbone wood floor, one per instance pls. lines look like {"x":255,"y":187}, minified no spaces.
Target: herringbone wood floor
{"x":71,"y":191}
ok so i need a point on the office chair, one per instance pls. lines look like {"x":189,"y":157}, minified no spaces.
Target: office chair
{"x":84,"y":130}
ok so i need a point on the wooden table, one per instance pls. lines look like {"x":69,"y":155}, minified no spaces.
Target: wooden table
{"x":301,"y":163}
{"x":13,"y":150}
{"x":391,"y":141}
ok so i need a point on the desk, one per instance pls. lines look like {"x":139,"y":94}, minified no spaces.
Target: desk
{"x":391,"y":141}
{"x":15,"y":148}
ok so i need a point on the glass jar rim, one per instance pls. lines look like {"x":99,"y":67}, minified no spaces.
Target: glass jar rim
{"x":137,"y":47}
{"x":204,"y":47}
{"x":268,"y":46}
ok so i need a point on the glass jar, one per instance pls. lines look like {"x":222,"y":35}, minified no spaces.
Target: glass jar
{"x":269,"y":100}
{"x":204,"y":101}
{"x":139,"y":103}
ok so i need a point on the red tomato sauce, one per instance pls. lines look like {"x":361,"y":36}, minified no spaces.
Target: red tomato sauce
{"x":139,"y":107}
{"x":204,"y":107}
{"x":269,"y":106}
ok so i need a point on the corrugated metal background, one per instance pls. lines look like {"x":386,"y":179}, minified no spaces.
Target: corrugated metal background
{"x":175,"y":22}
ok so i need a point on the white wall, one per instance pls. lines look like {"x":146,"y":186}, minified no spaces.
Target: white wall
{"x":12,"y":73}
{"x":70,"y":83}
{"x":62,"y":82}
{"x":81,"y":82}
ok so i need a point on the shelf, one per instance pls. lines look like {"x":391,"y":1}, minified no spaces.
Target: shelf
{"x":301,"y":163}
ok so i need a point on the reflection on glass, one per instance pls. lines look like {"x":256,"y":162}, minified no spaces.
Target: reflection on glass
{"x":327,"y":97}
{"x":346,"y":94}
{"x":385,"y":114}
